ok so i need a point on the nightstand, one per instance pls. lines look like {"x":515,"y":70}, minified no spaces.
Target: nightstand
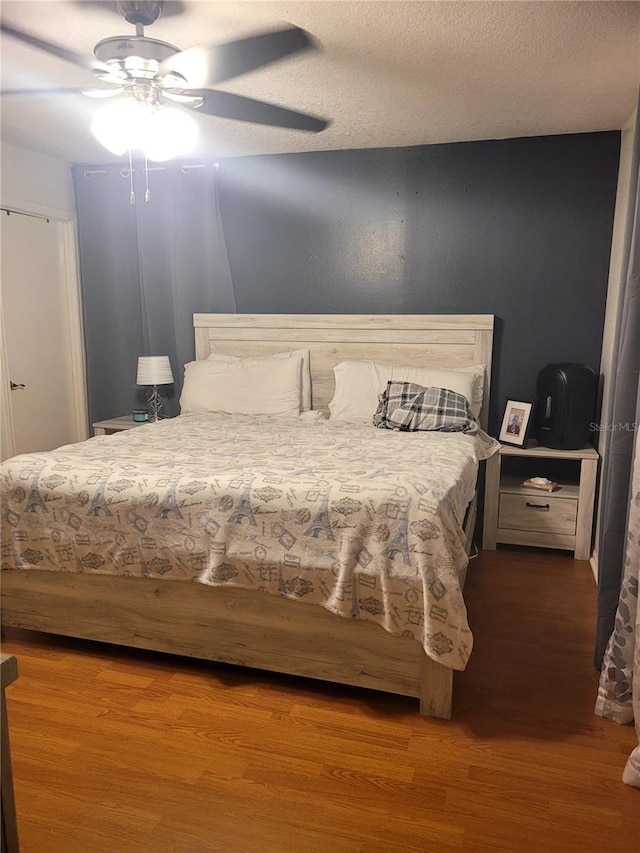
{"x":517,"y":515}
{"x":115,"y":425}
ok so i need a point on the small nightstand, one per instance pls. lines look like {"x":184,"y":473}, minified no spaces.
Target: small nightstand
{"x":561,"y":519}
{"x":115,"y":425}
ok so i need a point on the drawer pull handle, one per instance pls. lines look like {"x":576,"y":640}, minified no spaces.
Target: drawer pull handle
{"x":538,"y":506}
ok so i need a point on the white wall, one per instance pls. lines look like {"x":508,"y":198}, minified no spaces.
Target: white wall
{"x":616,"y":274}
{"x":36,"y":183}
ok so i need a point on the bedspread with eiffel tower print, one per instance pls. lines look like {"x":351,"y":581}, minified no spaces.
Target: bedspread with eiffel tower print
{"x":362,"y":521}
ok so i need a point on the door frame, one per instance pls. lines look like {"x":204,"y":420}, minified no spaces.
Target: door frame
{"x":71,"y":271}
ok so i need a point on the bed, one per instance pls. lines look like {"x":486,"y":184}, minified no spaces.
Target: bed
{"x":253,"y":604}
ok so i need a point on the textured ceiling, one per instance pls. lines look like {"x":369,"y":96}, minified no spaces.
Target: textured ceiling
{"x":388,"y":74}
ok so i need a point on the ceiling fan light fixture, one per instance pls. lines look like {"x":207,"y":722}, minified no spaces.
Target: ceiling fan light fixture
{"x":159,"y":132}
{"x":171,"y":133}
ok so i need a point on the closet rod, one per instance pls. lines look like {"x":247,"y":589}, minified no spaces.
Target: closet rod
{"x":9,"y":211}
{"x":124,"y":172}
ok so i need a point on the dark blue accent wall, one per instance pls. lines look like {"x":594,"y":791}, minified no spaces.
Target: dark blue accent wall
{"x":519,"y":228}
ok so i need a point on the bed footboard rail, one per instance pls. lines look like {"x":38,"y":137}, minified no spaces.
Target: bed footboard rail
{"x":228,"y":625}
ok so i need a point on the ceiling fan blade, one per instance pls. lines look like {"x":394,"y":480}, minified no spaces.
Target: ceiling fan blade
{"x":42,"y":92}
{"x":210,"y":64}
{"x":228,"y":105}
{"x":88,"y":63}
{"x":103,"y":93}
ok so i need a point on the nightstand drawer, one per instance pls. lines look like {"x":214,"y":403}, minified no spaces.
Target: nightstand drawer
{"x":538,"y":512}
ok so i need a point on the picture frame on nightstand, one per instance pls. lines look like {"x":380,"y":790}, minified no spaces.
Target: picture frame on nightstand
{"x":515,"y":423}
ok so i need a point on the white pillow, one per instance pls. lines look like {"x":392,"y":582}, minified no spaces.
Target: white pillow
{"x":359,"y":383}
{"x":261,"y":387}
{"x":305,"y":387}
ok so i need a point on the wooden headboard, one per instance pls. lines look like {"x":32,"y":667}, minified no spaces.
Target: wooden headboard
{"x":427,"y":340}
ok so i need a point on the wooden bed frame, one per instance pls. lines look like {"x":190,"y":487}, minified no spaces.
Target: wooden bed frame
{"x":247,"y":627}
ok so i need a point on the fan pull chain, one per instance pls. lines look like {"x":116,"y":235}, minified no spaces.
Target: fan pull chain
{"x":147,"y":193}
{"x":132,"y":195}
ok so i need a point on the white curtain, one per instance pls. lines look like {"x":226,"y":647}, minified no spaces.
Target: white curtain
{"x":619,"y":691}
{"x":618,"y":628}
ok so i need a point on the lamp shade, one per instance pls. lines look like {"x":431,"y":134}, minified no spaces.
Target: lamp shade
{"x":154,"y":370}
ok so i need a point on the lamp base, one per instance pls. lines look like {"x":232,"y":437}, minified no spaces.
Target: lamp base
{"x":155,"y":404}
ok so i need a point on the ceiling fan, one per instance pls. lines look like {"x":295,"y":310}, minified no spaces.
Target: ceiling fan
{"x":146,"y":76}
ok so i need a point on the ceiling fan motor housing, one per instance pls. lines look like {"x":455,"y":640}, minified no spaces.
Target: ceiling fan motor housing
{"x":120,"y":48}
{"x":142,"y":12}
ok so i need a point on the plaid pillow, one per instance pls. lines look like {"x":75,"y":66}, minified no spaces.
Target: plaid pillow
{"x":407,"y":406}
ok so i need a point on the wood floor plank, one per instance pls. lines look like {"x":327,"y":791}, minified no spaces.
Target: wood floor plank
{"x":123,"y":751}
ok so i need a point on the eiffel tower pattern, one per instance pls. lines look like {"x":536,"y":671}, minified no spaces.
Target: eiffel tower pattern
{"x":169,"y":504}
{"x":243,"y":508}
{"x":35,"y":500}
{"x":99,"y":503}
{"x":321,"y":523}
{"x":400,"y":542}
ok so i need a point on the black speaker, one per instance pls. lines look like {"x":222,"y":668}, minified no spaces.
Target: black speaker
{"x":565,"y":406}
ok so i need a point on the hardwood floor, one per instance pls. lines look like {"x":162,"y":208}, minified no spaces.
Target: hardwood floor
{"x":119,"y":751}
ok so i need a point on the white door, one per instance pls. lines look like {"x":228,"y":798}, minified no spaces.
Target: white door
{"x":37,"y":334}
